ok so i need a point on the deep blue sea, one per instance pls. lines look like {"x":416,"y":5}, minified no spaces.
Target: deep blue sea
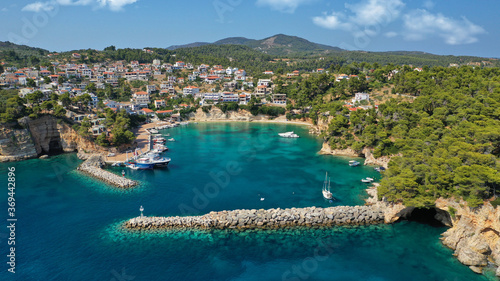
{"x":67,"y":226}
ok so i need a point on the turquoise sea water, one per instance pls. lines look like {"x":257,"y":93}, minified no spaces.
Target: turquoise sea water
{"x":67,"y":222}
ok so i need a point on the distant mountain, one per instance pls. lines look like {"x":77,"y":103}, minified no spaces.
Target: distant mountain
{"x":278,"y":45}
{"x":190,"y":45}
{"x":8,"y":46}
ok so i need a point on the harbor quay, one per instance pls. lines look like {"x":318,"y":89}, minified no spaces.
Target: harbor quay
{"x":92,"y":166}
{"x":271,"y":218}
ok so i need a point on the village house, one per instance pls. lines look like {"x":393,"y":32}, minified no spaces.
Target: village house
{"x":190,"y":90}
{"x":279,"y":99}
{"x":141,"y":97}
{"x":358,"y":97}
{"x":159,"y":103}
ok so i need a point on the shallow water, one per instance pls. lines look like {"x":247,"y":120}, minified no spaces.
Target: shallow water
{"x":67,"y":225}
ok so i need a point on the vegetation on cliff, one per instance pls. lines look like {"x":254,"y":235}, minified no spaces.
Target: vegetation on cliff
{"x":449,"y":135}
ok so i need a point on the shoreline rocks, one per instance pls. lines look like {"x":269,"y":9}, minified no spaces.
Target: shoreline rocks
{"x":92,"y":166}
{"x":264,"y":219}
{"x":475,"y":235}
{"x":366,"y":153}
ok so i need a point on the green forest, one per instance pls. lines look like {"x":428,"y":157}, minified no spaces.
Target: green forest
{"x":449,"y":136}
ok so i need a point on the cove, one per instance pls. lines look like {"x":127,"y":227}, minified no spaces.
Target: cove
{"x":68,"y":222}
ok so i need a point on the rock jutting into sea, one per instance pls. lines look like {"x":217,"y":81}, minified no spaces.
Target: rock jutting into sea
{"x":92,"y":166}
{"x":475,"y":235}
{"x":366,"y":153}
{"x":271,"y":218}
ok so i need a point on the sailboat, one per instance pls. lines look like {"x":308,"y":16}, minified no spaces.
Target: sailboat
{"x":326,"y":189}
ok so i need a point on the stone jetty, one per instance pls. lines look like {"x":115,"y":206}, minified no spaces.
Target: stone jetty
{"x":271,"y":218}
{"x":93,"y":167}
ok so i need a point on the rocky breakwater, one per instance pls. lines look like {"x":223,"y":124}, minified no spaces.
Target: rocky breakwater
{"x":92,"y":166}
{"x":271,"y":218}
{"x":475,"y":235}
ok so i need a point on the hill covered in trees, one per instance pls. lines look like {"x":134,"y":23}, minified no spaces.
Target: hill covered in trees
{"x":448,"y":136}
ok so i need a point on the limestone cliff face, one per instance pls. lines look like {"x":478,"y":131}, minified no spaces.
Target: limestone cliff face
{"x":475,"y":235}
{"x":366,"y":153}
{"x":321,"y":125}
{"x":16,"y":145}
{"x":215,"y":114}
{"x":45,"y":135}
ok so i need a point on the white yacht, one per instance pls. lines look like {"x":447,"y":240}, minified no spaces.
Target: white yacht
{"x":326,"y":189}
{"x":288,"y":135}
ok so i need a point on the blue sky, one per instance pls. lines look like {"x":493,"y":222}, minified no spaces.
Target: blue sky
{"x":455,"y":27}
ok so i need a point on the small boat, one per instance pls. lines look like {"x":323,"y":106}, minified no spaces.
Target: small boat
{"x":354,"y":163}
{"x":159,"y":140}
{"x":326,"y":189}
{"x":171,"y":139}
{"x":123,"y":173}
{"x":262,"y":199}
{"x":144,"y":164}
{"x":184,"y":123}
{"x":367,"y":180}
{"x":153,"y":131}
{"x":132,"y":166}
{"x":156,"y":159}
{"x":288,"y":135}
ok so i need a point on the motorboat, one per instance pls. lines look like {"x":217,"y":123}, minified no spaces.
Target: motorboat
{"x":367,"y":180}
{"x":157,"y":159}
{"x":288,"y":135}
{"x":354,"y":163}
{"x":171,"y":139}
{"x":144,"y":163}
{"x":159,"y":148}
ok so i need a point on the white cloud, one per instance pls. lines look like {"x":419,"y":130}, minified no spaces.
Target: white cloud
{"x":421,"y":24}
{"x":116,"y":5}
{"x":375,"y":11}
{"x":4,"y":9}
{"x":332,"y":21}
{"x":391,"y":34}
{"x":113,"y":5}
{"x":38,"y":6}
{"x":362,"y":15}
{"x":285,"y":6}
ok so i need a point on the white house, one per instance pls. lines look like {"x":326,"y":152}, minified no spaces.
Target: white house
{"x":264,"y":82}
{"x":279,"y":99}
{"x":360,"y":97}
{"x":190,"y":90}
{"x":141,"y":97}
{"x":230,"y":97}
{"x":150,"y":88}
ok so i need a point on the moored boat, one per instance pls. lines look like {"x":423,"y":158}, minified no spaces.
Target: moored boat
{"x":353,"y":163}
{"x":327,"y":194}
{"x":156,"y":159}
{"x":288,"y":135}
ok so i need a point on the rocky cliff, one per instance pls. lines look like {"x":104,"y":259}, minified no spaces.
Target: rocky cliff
{"x":475,"y":235}
{"x":366,"y":153}
{"x":16,"y":145}
{"x":215,"y":114}
{"x":44,"y":135}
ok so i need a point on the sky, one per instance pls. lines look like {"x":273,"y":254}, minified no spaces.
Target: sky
{"x":456,"y":27}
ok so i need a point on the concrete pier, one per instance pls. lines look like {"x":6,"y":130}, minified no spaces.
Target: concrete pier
{"x":92,"y":166}
{"x":272,"y":218}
